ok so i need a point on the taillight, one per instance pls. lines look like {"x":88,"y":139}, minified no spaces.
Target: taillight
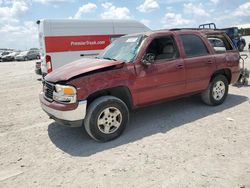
{"x":48,"y":63}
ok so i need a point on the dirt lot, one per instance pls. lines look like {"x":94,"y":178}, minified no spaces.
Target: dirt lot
{"x":182,"y":143}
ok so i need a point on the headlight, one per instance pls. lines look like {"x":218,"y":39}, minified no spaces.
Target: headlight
{"x":64,"y":94}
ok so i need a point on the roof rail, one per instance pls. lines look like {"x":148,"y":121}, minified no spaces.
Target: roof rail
{"x":208,"y":26}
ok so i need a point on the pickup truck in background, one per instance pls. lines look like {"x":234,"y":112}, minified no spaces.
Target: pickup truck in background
{"x":232,"y":32}
{"x":138,"y":70}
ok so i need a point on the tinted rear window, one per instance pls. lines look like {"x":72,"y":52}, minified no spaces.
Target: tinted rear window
{"x":193,"y":45}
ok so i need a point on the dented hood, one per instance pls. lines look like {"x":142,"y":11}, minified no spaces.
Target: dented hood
{"x":78,"y":67}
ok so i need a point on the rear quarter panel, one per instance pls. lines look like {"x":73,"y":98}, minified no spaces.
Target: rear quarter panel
{"x":232,"y":61}
{"x":228,"y":60}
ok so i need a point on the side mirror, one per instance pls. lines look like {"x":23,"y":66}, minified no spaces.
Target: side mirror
{"x":148,"y":59}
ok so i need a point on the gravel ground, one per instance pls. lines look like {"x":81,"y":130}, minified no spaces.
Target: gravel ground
{"x":181,"y":143}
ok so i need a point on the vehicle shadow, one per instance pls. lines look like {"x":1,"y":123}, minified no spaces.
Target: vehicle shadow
{"x":144,"y":122}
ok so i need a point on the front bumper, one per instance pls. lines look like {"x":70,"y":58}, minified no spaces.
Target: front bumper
{"x":72,"y":118}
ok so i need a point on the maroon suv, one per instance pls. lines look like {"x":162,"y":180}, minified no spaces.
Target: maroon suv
{"x":138,"y":70}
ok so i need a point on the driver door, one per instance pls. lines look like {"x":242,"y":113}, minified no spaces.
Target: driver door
{"x":165,"y":77}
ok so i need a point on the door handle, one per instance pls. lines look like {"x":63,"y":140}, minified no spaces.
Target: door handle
{"x":180,"y":66}
{"x":81,"y":55}
{"x":209,"y":62}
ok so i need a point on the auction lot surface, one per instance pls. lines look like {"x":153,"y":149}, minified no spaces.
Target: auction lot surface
{"x":181,"y":143}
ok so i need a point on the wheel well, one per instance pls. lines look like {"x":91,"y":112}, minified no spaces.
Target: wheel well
{"x":225,"y":72}
{"x":121,"y":92}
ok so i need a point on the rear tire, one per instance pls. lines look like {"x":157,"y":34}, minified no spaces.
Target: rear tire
{"x":216,"y":92}
{"x":106,"y":118}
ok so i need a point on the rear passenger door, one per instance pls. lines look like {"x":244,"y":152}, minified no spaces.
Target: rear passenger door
{"x":198,"y":61}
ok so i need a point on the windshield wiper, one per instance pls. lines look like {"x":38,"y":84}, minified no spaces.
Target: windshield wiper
{"x":108,"y":58}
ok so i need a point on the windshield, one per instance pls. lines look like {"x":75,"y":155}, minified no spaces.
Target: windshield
{"x":124,"y":49}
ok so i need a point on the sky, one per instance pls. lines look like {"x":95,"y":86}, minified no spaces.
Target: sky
{"x":18,"y":18}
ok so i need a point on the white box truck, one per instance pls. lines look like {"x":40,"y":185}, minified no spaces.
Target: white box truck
{"x":65,"y":40}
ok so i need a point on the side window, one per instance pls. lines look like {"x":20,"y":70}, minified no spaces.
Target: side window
{"x":193,"y":45}
{"x":163,"y":48}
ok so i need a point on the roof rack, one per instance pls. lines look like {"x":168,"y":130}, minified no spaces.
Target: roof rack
{"x":178,"y":29}
{"x":208,"y":26}
{"x":203,"y":27}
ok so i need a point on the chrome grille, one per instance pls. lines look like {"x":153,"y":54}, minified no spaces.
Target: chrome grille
{"x":48,"y":89}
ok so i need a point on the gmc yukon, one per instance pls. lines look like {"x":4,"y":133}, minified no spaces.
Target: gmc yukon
{"x":138,"y":70}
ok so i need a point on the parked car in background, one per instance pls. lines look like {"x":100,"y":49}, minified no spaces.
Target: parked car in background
{"x":3,"y":54}
{"x":10,"y":57}
{"x":22,"y":56}
{"x":232,"y":32}
{"x":28,"y":55}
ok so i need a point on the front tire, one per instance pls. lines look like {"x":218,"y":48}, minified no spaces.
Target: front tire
{"x":216,"y":92}
{"x":106,"y":118}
